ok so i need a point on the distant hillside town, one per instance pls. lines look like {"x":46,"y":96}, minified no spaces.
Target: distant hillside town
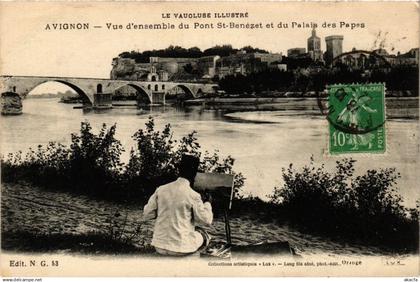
{"x":206,"y":67}
{"x":180,"y":64}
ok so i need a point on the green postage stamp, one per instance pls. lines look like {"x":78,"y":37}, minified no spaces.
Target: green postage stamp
{"x":356,"y":115}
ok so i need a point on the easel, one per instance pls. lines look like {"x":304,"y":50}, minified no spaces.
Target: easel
{"x":222,"y":182}
{"x":218,"y":182}
{"x":226,"y":215}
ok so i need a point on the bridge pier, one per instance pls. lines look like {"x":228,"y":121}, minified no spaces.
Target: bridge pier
{"x":158,"y":98}
{"x":11,"y":103}
{"x":102,"y":101}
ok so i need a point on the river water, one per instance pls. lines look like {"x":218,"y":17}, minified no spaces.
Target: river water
{"x":262,"y":142}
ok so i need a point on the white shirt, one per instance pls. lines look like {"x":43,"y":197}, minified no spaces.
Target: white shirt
{"x":177,"y":209}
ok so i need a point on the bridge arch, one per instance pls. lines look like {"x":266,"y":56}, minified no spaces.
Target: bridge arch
{"x":172,"y":93}
{"x":189,"y":93}
{"x":74,"y":87}
{"x":187,"y":90}
{"x":142,"y":94}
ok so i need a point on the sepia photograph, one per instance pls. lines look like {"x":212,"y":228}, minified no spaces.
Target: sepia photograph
{"x":209,"y":138}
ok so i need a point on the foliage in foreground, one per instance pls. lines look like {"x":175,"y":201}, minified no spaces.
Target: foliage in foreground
{"x":365,"y":207}
{"x":92,"y":163}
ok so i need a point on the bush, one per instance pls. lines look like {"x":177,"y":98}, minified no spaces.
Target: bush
{"x":365,"y":207}
{"x":95,"y":164}
{"x":49,"y":162}
{"x":92,"y":163}
{"x":154,"y":160}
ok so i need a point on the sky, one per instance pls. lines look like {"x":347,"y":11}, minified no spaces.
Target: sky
{"x":27,"y":48}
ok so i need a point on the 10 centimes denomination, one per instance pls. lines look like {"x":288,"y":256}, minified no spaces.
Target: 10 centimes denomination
{"x":356,"y":115}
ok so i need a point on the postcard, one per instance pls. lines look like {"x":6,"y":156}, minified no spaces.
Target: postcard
{"x":209,"y":139}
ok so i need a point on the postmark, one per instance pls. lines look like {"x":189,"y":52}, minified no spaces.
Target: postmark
{"x":356,"y":115}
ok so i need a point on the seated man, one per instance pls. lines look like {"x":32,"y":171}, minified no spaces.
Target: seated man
{"x":177,"y":209}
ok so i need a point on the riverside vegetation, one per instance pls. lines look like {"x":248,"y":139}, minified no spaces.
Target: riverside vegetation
{"x":338,"y":204}
{"x":92,"y":165}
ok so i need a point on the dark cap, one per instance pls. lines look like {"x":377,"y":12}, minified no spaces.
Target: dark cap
{"x":188,"y":167}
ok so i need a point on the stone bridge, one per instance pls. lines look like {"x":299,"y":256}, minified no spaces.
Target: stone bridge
{"x":99,"y":91}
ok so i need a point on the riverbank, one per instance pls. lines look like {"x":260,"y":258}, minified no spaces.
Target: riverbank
{"x":71,"y":223}
{"x":74,"y":170}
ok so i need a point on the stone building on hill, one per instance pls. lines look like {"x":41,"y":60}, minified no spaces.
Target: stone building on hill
{"x":164,"y":69}
{"x":296,"y":52}
{"x":314,"y":46}
{"x":246,"y":63}
{"x":334,"y":47}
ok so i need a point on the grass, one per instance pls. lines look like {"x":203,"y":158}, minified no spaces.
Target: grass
{"x":90,"y":243}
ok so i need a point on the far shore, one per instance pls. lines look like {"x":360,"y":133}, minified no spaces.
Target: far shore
{"x":396,"y":107}
{"x":259,"y":100}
